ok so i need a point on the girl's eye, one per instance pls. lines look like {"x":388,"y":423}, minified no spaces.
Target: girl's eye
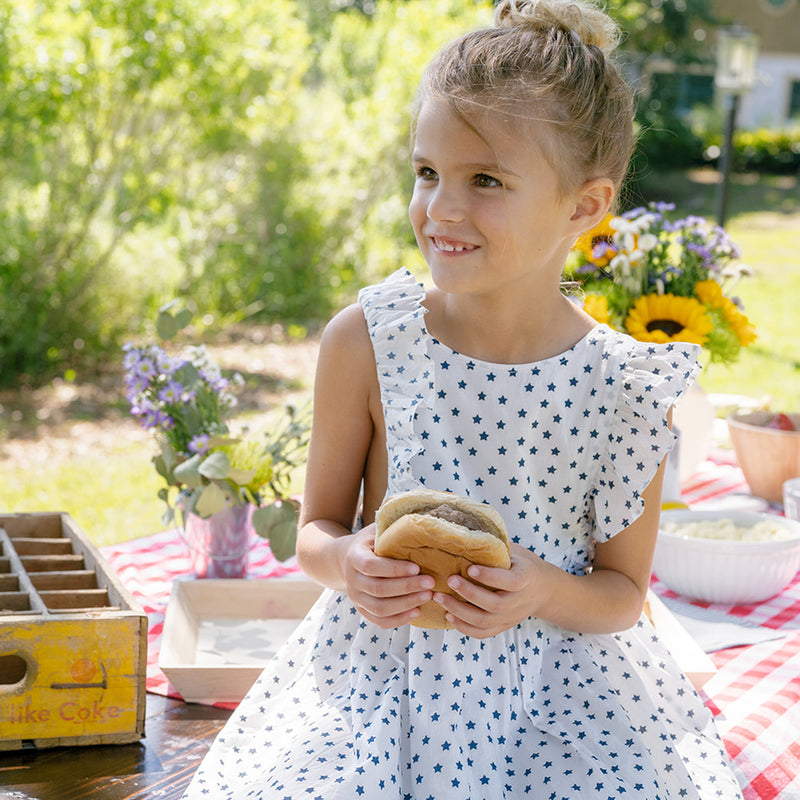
{"x":426,"y":173}
{"x":486,"y":181}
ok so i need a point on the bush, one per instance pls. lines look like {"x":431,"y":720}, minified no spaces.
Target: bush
{"x":253,"y":156}
{"x":774,"y":152}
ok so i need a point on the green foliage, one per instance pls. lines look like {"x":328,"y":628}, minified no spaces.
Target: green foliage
{"x":664,"y":141}
{"x":767,"y":151}
{"x":665,"y":27}
{"x":278,"y":524}
{"x":251,"y":155}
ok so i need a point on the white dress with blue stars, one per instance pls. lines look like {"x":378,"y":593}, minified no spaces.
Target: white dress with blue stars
{"x":563,"y":449}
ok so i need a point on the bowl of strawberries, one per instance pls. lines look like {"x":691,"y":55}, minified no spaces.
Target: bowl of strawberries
{"x":767,"y":447}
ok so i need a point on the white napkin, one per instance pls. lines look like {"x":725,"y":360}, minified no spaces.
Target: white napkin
{"x":716,"y":630}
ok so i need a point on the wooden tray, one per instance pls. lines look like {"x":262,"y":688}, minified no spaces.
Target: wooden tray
{"x":220,"y":634}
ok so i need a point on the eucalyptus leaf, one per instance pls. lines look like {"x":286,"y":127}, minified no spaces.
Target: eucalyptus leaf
{"x":278,"y":524}
{"x":166,"y":325}
{"x":183,"y":318}
{"x":241,"y":477}
{"x":188,"y":472}
{"x":161,"y":467}
{"x":211,"y":500}
{"x":216,"y":466}
{"x":168,"y":454}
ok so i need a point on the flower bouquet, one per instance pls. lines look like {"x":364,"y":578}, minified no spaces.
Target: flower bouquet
{"x":187,"y":402}
{"x":661,"y":279}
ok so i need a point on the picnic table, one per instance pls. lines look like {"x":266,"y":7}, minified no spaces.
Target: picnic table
{"x":754,"y":693}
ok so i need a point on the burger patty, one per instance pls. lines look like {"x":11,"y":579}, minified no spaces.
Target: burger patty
{"x":458,"y":517}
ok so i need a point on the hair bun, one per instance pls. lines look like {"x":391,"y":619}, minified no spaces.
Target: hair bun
{"x":591,"y":24}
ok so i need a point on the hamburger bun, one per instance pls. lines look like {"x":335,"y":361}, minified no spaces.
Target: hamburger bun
{"x":444,"y":534}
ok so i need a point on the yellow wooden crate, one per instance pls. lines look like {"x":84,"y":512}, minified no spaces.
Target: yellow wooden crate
{"x":73,"y":641}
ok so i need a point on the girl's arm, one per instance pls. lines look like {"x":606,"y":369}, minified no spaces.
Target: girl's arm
{"x":608,"y":599}
{"x":348,"y":451}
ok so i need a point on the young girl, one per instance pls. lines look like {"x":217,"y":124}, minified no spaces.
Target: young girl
{"x":493,"y":384}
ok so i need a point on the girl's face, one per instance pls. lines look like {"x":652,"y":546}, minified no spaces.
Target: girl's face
{"x":486,"y":218}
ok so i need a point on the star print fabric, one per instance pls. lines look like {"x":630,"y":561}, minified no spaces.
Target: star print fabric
{"x":563,"y":449}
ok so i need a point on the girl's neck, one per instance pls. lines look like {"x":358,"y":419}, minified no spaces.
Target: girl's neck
{"x":491,"y":330}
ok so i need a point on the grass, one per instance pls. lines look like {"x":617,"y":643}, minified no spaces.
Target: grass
{"x":112,"y":495}
{"x":110,"y":486}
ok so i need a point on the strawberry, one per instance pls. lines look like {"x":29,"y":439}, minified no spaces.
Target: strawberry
{"x":781,"y":422}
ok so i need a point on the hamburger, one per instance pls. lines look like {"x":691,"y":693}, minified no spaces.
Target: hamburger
{"x":444,"y":533}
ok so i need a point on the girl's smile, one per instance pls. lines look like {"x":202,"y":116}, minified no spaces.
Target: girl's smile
{"x":442,"y":245}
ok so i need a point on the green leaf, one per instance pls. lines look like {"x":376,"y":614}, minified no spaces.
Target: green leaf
{"x":168,"y":454}
{"x":217,"y":466}
{"x":188,"y":472}
{"x":278,"y":524}
{"x":183,"y":318}
{"x":166,"y":325}
{"x":241,"y":477}
{"x":211,"y":500}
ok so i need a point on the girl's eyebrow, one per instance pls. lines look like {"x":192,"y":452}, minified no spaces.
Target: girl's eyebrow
{"x":418,"y":158}
{"x":494,"y":167}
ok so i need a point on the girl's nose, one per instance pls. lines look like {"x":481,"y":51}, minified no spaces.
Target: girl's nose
{"x":445,"y":205}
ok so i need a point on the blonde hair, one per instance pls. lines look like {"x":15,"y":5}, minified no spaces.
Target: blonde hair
{"x":549,"y":62}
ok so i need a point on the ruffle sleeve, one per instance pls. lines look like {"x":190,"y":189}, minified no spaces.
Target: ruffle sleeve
{"x":642,"y":381}
{"x":395,"y":318}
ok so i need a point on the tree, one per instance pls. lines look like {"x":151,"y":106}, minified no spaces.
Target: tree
{"x":107,"y":110}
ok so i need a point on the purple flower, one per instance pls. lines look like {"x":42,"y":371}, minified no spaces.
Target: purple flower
{"x":171,"y":393}
{"x":700,"y":250}
{"x":199,"y":444}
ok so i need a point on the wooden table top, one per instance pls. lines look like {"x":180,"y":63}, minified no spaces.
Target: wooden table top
{"x":177,"y":736}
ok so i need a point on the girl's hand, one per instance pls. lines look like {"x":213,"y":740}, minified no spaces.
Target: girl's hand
{"x":386,"y":591}
{"x":510,"y":598}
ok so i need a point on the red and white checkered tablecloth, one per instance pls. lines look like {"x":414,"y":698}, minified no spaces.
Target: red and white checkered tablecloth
{"x":755,"y":694}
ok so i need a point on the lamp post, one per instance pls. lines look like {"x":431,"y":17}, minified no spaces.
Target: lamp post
{"x":737,"y":49}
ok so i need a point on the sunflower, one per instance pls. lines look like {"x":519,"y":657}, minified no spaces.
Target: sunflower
{"x":597,"y":244}
{"x":596,"y":306}
{"x":666,"y":318}
{"x":709,"y":292}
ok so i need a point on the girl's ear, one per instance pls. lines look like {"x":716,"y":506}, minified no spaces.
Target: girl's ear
{"x":593,"y":203}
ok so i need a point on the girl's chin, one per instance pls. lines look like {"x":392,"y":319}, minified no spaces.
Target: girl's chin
{"x":455,"y":277}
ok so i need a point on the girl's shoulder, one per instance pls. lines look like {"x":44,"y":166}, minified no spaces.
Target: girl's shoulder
{"x":346,"y":339}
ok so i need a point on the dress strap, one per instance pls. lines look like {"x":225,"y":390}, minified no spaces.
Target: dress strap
{"x":395,"y":319}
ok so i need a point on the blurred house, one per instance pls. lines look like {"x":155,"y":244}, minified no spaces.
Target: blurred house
{"x":775,"y":100}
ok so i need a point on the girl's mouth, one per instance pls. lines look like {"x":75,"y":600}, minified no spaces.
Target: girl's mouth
{"x":451,"y":246}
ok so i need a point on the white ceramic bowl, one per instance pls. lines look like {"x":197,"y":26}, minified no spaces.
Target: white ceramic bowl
{"x":726,"y":571}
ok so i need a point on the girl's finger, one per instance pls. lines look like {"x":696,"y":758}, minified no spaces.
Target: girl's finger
{"x":475,"y":595}
{"x":385,"y":587}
